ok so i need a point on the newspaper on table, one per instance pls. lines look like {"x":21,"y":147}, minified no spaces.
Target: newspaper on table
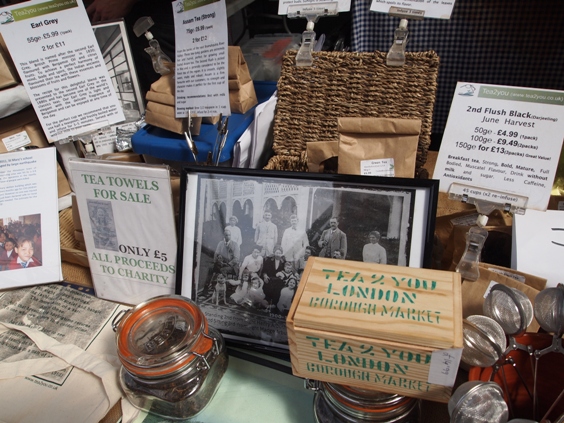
{"x":58,"y":360}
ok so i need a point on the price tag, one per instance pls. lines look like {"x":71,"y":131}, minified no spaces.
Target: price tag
{"x":489,"y":288}
{"x":104,"y":140}
{"x":13,"y":142}
{"x":414,"y":8}
{"x":342,"y":5}
{"x":502,"y":139}
{"x":509,"y":274}
{"x":382,"y":167}
{"x":444,"y":366}
{"x":466,"y":220}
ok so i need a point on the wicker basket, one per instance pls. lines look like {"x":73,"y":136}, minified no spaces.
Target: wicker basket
{"x":342,"y":84}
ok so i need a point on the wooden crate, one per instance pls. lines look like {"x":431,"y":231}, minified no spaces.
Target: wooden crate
{"x":387,"y":328}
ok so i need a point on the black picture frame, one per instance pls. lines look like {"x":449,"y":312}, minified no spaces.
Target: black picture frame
{"x":403,"y":211}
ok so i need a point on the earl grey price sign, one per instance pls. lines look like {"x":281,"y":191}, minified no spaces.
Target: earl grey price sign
{"x":503,"y":138}
{"x":61,"y":66}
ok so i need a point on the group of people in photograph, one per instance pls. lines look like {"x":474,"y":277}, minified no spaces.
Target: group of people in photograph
{"x":267,"y":278}
{"x":20,"y":246}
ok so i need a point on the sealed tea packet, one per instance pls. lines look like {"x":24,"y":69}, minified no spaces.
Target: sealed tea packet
{"x":378,"y":146}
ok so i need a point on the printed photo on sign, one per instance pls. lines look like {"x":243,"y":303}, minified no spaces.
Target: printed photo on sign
{"x":20,"y":242}
{"x":103,"y":224}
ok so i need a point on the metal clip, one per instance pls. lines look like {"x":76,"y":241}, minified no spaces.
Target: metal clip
{"x":396,"y":55}
{"x":188,"y":135}
{"x":215,"y":342}
{"x":117,"y":319}
{"x":312,"y":12}
{"x":312,"y":385}
{"x":221,"y":138}
{"x":203,"y":358}
{"x":304,"y":56}
{"x":468,"y":265}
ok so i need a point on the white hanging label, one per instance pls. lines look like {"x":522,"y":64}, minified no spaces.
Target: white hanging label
{"x":444,"y":366}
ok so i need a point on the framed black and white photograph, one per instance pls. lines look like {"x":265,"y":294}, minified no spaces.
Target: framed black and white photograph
{"x":245,"y":236}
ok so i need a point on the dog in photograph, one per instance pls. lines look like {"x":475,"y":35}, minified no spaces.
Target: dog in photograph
{"x":220,"y":289}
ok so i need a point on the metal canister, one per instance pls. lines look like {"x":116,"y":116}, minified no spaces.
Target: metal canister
{"x":172,"y":361}
{"x":335,"y":403}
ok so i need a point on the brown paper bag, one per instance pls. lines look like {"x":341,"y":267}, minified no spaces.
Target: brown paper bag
{"x":242,"y":95}
{"x":533,"y":281}
{"x":162,"y":90}
{"x":25,"y":120}
{"x":160,"y":106}
{"x":211,"y":119}
{"x":474,"y":293}
{"x":322,"y":156}
{"x":8,"y":73}
{"x":160,"y":110}
{"x":170,"y":123}
{"x":376,"y":139}
{"x":63,"y":186}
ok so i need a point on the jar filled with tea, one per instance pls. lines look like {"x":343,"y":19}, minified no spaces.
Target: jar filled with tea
{"x":172,"y":361}
{"x":335,"y":403}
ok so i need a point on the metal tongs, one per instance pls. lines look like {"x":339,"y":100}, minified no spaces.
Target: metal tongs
{"x":191,"y":144}
{"x":220,"y":139}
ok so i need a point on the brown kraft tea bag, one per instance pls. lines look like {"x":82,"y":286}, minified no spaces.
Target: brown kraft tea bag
{"x":322,"y":156}
{"x":367,"y":144}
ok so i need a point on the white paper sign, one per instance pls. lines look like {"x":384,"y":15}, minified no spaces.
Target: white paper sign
{"x":538,"y":244}
{"x":127,"y":218}
{"x":502,"y":138}
{"x":201,"y":58}
{"x":29,"y":208}
{"x":342,"y":5}
{"x":61,"y":66}
{"x":441,"y":9}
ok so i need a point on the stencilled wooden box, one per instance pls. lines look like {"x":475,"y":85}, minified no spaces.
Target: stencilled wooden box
{"x":381,"y":327}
